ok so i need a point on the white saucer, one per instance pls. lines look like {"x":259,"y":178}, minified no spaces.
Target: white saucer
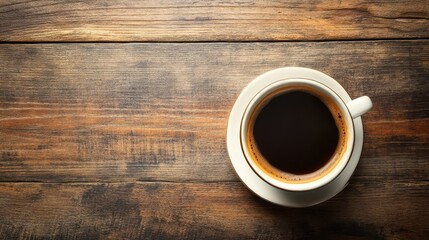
{"x":245,"y":172}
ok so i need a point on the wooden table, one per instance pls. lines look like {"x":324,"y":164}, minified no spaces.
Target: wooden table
{"x":113,"y":116}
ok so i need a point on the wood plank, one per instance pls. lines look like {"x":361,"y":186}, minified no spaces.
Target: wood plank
{"x":158,"y":112}
{"x":219,"y":20}
{"x":365,"y":210}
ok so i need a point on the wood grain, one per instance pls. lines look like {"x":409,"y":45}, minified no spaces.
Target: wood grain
{"x":235,"y":20}
{"x":158,"y":112}
{"x":126,"y":140}
{"x":365,"y":210}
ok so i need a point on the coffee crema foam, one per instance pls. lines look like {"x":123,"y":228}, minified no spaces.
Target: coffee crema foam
{"x":262,"y":163}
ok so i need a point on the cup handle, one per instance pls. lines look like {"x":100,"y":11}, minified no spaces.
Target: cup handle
{"x":359,"y":106}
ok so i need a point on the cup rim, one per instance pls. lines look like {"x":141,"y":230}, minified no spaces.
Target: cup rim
{"x":307,"y":186}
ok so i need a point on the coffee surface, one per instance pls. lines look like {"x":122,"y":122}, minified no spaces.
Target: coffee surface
{"x":296,"y":133}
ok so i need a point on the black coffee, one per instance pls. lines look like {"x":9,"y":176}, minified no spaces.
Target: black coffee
{"x":296,"y":133}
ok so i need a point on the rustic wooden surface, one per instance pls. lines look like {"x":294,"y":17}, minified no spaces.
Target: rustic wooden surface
{"x":127,"y":140}
{"x":224,"y":20}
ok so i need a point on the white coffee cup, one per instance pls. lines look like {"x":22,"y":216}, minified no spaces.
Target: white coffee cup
{"x":298,"y":193}
{"x":348,"y":110}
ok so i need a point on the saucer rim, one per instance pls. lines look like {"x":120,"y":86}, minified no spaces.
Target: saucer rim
{"x":250,"y":179}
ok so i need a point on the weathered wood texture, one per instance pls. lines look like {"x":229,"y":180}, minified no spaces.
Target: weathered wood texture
{"x":149,"y":112}
{"x":365,"y":210}
{"x":236,"y":20}
{"x":128,"y":141}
